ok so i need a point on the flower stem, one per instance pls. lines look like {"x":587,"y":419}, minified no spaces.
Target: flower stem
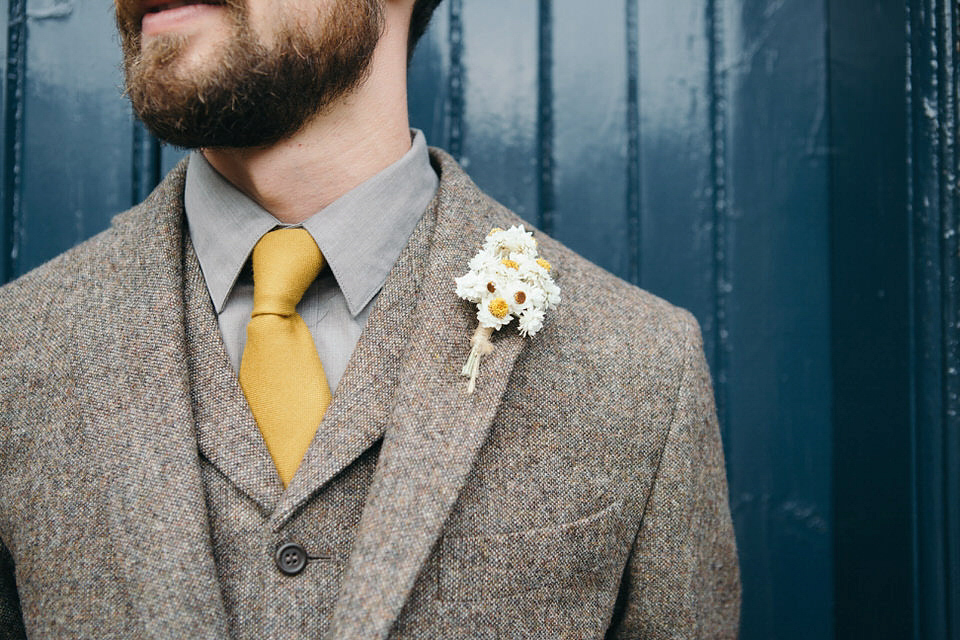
{"x":481,"y":347}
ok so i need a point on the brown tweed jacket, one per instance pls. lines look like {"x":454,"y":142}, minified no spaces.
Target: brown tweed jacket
{"x":579,"y":493}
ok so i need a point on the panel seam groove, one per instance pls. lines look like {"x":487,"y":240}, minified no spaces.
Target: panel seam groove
{"x":633,"y":142}
{"x":546,"y":196}
{"x":721,"y":277}
{"x":13,"y":126}
{"x":455,"y":86}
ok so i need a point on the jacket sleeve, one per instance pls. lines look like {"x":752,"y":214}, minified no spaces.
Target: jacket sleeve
{"x":11,"y":620}
{"x":682,"y":579}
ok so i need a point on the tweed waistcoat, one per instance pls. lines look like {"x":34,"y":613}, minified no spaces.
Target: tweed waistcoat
{"x":240,"y":482}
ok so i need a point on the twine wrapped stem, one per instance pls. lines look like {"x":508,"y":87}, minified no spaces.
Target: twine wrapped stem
{"x":481,"y":346}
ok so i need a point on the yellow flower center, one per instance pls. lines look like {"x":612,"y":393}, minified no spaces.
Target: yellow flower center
{"x":520,"y":297}
{"x":510,"y":264}
{"x":543,"y":263}
{"x":498,"y":307}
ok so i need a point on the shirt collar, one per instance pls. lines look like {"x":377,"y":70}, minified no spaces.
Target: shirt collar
{"x":361,"y":234}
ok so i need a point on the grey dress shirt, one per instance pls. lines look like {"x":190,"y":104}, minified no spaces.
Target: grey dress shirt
{"x":361,"y":235}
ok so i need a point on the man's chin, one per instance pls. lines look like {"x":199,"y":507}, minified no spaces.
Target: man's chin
{"x":183,"y":55}
{"x":226,"y":89}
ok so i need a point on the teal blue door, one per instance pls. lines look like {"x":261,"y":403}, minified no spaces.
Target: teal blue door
{"x":785,"y":169}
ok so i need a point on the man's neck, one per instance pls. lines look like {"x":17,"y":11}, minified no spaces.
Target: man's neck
{"x":349,"y":142}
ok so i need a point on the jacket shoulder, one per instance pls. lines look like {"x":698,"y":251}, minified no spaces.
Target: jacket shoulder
{"x":617,"y":327}
{"x":39,"y":307}
{"x":28,"y":300}
{"x":64,"y":280}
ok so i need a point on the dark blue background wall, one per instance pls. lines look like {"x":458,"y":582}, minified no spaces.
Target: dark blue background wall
{"x":786,"y":169}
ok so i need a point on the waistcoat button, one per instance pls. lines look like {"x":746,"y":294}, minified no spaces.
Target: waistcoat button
{"x":291,"y":558}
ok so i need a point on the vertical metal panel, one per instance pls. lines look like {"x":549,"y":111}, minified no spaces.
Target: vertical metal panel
{"x":634,"y":214}
{"x":546,"y":192}
{"x":871,"y":320}
{"x":719,"y":274}
{"x":950,"y":310}
{"x":77,"y":129}
{"x":935,"y":298}
{"x":4,"y":36}
{"x":682,"y":103}
{"x":926,"y":204}
{"x":590,"y":142}
{"x":676,"y":101}
{"x":500,"y":55}
{"x":428,"y":79}
{"x":776,"y":242}
{"x":14,"y":67}
{"x":456,"y":82}
{"x":146,"y":163}
{"x":169,"y":157}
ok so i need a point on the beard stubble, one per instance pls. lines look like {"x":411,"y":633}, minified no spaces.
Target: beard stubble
{"x":252,"y":95}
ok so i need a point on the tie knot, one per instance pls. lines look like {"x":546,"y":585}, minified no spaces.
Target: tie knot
{"x":285,"y":262}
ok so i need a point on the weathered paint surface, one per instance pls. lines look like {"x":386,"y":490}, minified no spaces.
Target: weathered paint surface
{"x":785,"y":169}
{"x":72,"y":109}
{"x":895,"y":304}
{"x":934,"y":223}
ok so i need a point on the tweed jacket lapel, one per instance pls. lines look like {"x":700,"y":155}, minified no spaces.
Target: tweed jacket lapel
{"x":361,"y":407}
{"x":436,"y":429}
{"x":227,"y":434}
{"x":136,"y":405}
{"x":356,"y":418}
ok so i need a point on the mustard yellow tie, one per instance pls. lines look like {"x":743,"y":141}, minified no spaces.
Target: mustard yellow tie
{"x":280,"y":372}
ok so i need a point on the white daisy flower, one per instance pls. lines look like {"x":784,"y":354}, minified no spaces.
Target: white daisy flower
{"x":535,"y":297}
{"x":552,"y":293}
{"x":513,"y":240}
{"x":493,"y":313}
{"x":531,"y":321}
{"x":483,"y":262}
{"x":519,"y":295}
{"x":470,"y":286}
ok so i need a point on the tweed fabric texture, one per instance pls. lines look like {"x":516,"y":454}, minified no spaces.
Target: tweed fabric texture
{"x":323,"y":507}
{"x":100,"y":484}
{"x":579,"y":493}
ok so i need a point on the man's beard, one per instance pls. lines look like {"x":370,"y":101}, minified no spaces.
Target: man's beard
{"x":251,"y":95}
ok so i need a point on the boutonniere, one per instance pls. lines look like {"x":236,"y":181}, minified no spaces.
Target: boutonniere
{"x":506,"y":279}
